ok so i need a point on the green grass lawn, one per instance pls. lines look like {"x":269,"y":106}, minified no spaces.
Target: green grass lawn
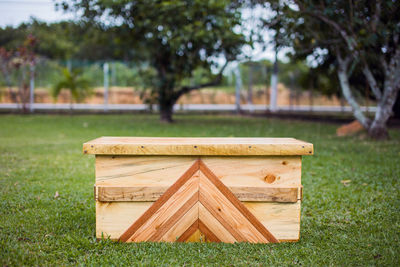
{"x":353,"y":224}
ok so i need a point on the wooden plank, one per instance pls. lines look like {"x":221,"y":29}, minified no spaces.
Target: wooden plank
{"x":141,"y":170}
{"x":180,"y":227}
{"x":197,"y":236}
{"x":256,"y":171}
{"x":189,"y":232}
{"x":281,"y":219}
{"x":166,"y":198}
{"x":210,"y":236}
{"x":197,"y":146}
{"x":238,"y":205}
{"x":112,"y":219}
{"x":164,"y":213}
{"x":227,"y":214}
{"x":214,"y":225}
{"x":163,"y":171}
{"x":152,"y":193}
{"x":164,"y":216}
{"x":175,"y":218}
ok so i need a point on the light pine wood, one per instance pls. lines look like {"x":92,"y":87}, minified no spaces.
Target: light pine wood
{"x":208,"y":234}
{"x":163,"y":171}
{"x":113,"y":218}
{"x":197,"y":236}
{"x":230,"y":212}
{"x":215,"y":226}
{"x":152,"y":193}
{"x":133,"y":174}
{"x":172,"y":217}
{"x":281,"y":219}
{"x":182,"y":225}
{"x":178,"y":185}
{"x":197,"y":146}
{"x":140,"y":170}
{"x":192,"y":234}
{"x":169,"y":208}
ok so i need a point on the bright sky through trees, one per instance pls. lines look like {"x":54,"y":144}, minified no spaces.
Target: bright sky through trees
{"x":15,"y":12}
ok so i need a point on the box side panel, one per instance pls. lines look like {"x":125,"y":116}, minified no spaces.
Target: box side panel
{"x":281,"y":219}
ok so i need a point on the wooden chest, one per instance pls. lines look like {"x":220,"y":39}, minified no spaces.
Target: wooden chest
{"x":198,"y":189}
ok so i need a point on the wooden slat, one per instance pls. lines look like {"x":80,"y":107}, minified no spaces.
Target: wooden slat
{"x":189,"y":232}
{"x":215,"y":226}
{"x":163,"y":171}
{"x":165,"y":212}
{"x":281,"y":219}
{"x":210,"y":236}
{"x":197,"y":236}
{"x":152,"y":193}
{"x":197,"y":146}
{"x":227,"y":214}
{"x":182,"y":225}
{"x":222,"y":188}
{"x":173,"y":219}
{"x":161,"y":201}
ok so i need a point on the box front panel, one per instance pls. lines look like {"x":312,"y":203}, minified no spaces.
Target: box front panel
{"x":253,"y":180}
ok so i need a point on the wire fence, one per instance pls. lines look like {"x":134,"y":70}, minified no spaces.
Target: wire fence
{"x":120,"y":85}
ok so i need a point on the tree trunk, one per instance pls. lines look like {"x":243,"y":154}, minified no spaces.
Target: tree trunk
{"x":344,"y":84}
{"x":378,"y":129}
{"x":166,"y":111}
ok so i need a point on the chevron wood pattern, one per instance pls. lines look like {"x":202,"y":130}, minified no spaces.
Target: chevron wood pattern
{"x":198,"y":204}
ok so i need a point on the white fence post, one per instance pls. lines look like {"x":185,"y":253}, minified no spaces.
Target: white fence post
{"x":31,"y":88}
{"x":106,"y":83}
{"x":274,"y":85}
{"x":238,"y":82}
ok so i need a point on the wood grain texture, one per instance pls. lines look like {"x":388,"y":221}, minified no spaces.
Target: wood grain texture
{"x":191,"y":188}
{"x":197,"y":236}
{"x":152,"y":193}
{"x":182,"y":225}
{"x":240,"y":174}
{"x":174,"y":220}
{"x":215,"y":226}
{"x":222,"y":188}
{"x":189,"y":232}
{"x":281,"y":219}
{"x":163,"y":171}
{"x":162,"y":221}
{"x":196,"y":146}
{"x":209,"y":235}
{"x":224,"y":206}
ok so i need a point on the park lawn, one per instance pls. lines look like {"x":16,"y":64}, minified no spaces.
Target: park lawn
{"x":352,"y":223}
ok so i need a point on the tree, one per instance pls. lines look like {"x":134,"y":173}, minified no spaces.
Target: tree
{"x":362,"y":35}
{"x":174,"y":37}
{"x":77,"y":85}
{"x":22,"y":61}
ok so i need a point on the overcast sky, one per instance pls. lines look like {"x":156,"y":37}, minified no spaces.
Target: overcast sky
{"x":14,"y":12}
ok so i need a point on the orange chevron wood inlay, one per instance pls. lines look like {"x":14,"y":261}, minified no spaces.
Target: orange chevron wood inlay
{"x":198,"y":201}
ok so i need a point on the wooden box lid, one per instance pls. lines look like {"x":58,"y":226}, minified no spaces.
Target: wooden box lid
{"x":212,"y":146}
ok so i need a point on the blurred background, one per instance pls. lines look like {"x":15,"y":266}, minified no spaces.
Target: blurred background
{"x":246,"y":57}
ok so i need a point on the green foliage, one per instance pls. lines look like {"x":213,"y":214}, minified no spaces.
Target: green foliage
{"x":352,"y":225}
{"x":175,"y":37}
{"x":77,"y":85}
{"x":319,"y":30}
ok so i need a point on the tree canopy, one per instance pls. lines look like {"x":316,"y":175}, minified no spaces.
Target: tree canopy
{"x":175,"y":37}
{"x":360,"y":39}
